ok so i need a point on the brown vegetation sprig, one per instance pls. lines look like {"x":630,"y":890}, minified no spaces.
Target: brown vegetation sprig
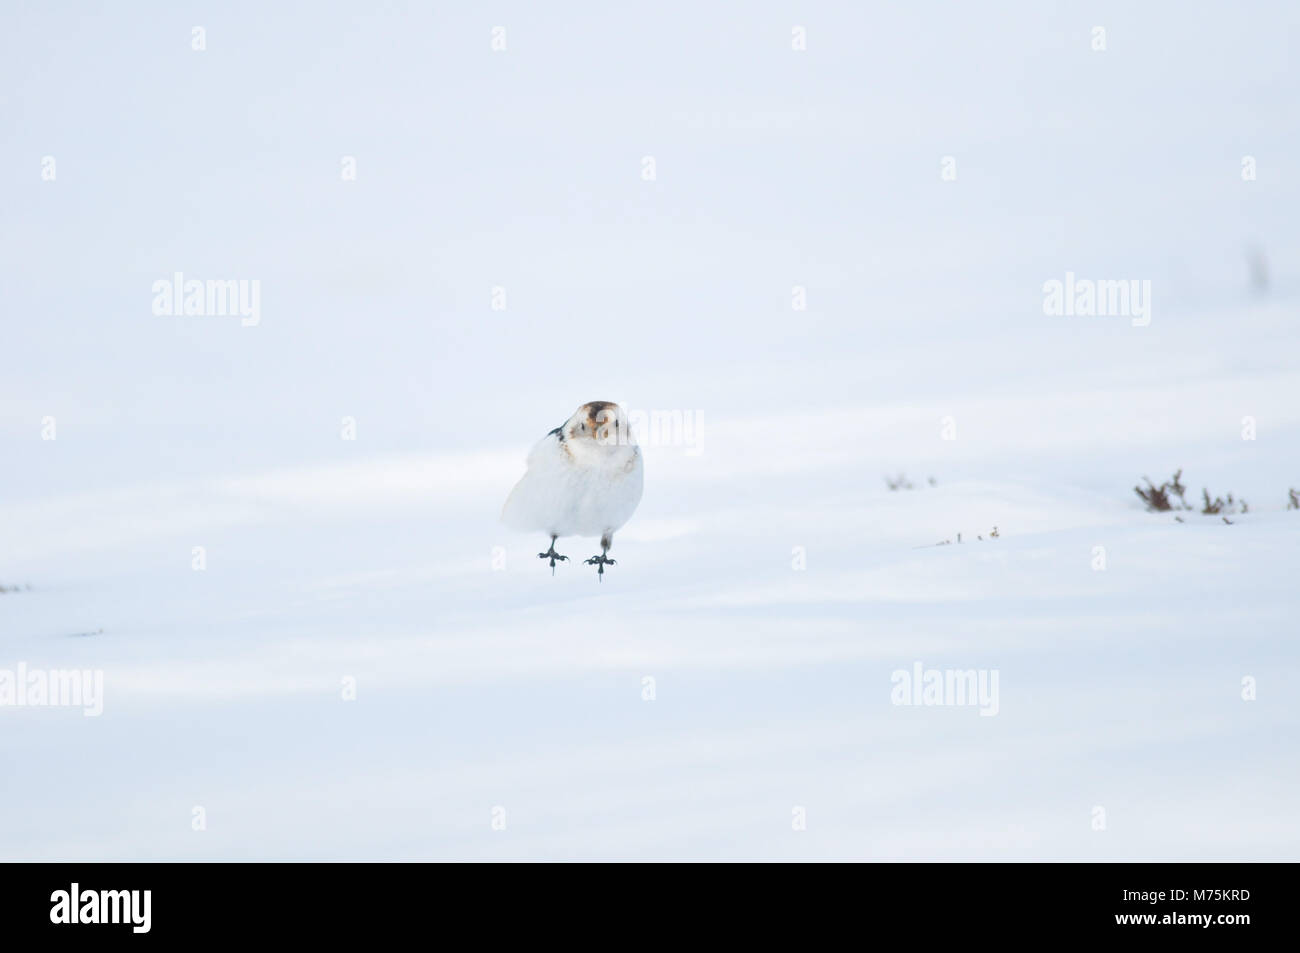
{"x":1171,"y":496}
{"x":1158,"y":499}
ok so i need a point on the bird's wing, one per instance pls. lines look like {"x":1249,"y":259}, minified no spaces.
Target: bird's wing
{"x":544,"y":450}
{"x":531,"y":502}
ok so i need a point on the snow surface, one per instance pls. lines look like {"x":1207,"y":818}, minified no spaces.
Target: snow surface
{"x":482,"y":687}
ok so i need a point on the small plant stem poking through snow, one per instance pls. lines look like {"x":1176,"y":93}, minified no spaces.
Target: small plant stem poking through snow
{"x":1219,"y":505}
{"x":1161,"y":499}
{"x":1157,"y":498}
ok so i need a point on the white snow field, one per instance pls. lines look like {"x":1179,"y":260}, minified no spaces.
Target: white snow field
{"x":770,"y":583}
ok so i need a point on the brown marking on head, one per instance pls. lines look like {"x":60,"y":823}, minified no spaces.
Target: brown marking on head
{"x":594,"y":410}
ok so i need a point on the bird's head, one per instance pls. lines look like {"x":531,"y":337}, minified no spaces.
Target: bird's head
{"x":599,"y":423}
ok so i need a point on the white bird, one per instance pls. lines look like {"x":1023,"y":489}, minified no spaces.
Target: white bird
{"x":583,"y":479}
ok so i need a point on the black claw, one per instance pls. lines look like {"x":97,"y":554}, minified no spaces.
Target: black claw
{"x":600,"y":561}
{"x":552,"y":555}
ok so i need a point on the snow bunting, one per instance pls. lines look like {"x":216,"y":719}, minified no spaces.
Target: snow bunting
{"x":583,"y":479}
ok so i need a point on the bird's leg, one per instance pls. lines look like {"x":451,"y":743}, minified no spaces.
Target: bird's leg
{"x":603,"y":559}
{"x":552,"y":555}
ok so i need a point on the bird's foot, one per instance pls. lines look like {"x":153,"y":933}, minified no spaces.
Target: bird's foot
{"x":601,"y":561}
{"x":553,"y":556}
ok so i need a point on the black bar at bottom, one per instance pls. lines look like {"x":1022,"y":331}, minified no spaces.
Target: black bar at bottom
{"x":334,"y":901}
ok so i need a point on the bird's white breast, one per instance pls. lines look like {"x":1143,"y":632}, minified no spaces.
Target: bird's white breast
{"x":576,"y":494}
